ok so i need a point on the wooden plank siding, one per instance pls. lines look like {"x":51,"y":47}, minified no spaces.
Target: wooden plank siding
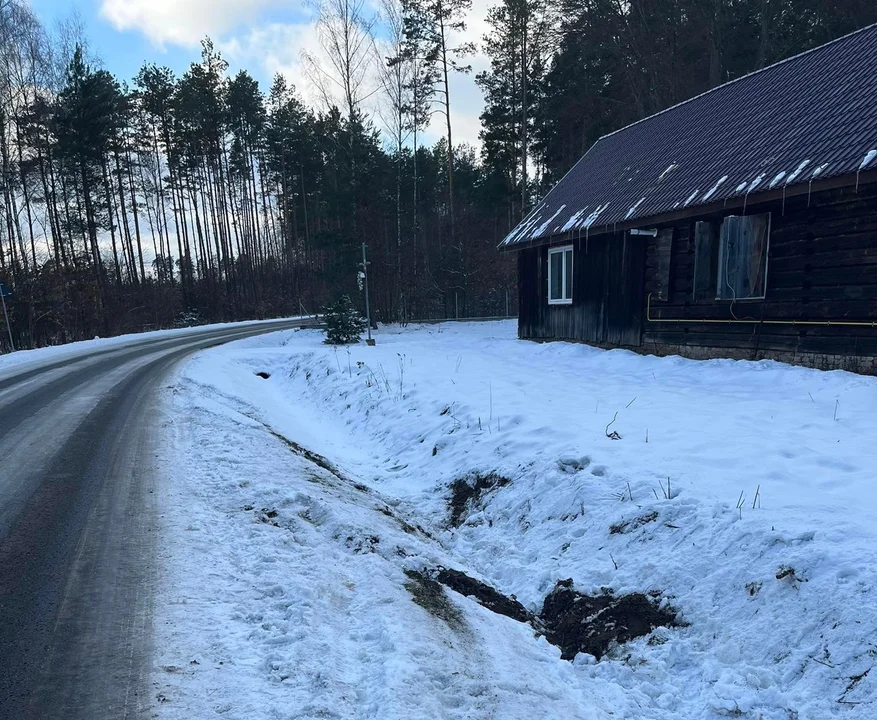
{"x":607,"y":306}
{"x":822,"y":266}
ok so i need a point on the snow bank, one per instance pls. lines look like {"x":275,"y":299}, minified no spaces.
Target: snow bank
{"x":743,"y":492}
{"x":22,"y":360}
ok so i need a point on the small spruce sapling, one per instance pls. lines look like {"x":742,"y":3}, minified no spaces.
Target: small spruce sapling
{"x":344,"y":324}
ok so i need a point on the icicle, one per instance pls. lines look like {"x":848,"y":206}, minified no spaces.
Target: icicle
{"x":869,"y":158}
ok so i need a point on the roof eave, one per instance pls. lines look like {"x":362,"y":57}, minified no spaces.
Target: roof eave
{"x":741,"y":201}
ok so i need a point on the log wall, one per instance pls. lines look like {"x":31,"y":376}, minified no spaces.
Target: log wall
{"x":608,"y":282}
{"x":822,"y":267}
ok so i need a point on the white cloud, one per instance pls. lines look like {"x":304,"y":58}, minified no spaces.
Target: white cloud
{"x":275,"y":48}
{"x":181,"y":22}
{"x":266,"y":48}
{"x":278,"y":48}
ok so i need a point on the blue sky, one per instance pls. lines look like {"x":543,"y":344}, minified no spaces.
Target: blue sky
{"x":122,"y":51}
{"x":263,"y":36}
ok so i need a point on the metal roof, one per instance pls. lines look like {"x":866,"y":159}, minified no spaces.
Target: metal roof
{"x":812,"y":116}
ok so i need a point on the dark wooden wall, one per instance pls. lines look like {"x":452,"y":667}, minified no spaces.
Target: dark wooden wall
{"x":608,"y":299}
{"x":822,"y":265}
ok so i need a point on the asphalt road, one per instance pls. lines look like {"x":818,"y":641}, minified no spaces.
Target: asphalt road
{"x":78,"y":527}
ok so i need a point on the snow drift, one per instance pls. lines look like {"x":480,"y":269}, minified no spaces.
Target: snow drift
{"x":308,"y":509}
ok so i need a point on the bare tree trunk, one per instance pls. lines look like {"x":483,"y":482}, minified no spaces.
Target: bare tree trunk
{"x":134,"y":212}
{"x":447,"y":103}
{"x":123,"y":221}
{"x":109,"y":196}
{"x":764,"y":34}
{"x":525,"y":62}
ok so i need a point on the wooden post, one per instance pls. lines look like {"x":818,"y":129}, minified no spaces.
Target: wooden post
{"x":6,"y":316}
{"x":368,"y":314}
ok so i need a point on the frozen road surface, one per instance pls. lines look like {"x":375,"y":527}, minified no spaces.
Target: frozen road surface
{"x":77,"y":522}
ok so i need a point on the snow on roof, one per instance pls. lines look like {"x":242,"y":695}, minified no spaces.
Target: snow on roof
{"x":571,"y":223}
{"x":592,"y":218}
{"x":797,"y":171}
{"x":712,"y":190}
{"x":777,"y":179}
{"x":755,"y":183}
{"x":633,"y":208}
{"x":670,"y":168}
{"x":810,"y":109}
{"x":544,"y":226}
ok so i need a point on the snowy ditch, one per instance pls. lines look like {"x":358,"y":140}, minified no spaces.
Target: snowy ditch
{"x":569,"y":619}
{"x":574,"y":622}
{"x":441,"y":527}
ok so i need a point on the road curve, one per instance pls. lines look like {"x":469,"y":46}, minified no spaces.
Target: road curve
{"x":78,"y":526}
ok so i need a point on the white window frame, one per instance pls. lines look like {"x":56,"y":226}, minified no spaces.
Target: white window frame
{"x":566,"y":292}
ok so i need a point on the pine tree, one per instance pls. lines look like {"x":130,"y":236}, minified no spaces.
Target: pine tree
{"x":84,"y":118}
{"x":517,"y":45}
{"x":344,"y":324}
{"x":429,"y":25}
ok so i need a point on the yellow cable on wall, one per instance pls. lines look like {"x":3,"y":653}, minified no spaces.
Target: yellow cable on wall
{"x":823,"y":323}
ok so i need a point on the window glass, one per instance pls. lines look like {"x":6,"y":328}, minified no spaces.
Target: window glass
{"x":567,"y":261}
{"x":555,"y":272}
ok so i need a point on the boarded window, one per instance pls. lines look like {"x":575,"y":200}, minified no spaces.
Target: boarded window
{"x":742,"y":270}
{"x":706,"y":260}
{"x":664,"y":251}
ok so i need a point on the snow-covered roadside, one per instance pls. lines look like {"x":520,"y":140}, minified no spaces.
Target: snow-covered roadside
{"x":429,"y":405}
{"x":25,"y":359}
{"x":283,"y":592}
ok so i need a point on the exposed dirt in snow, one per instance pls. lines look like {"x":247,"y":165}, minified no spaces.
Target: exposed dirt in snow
{"x":576,"y":622}
{"x":571,"y":620}
{"x":489,"y":597}
{"x":629,"y":525}
{"x":467,"y":491}
{"x":430,"y":595}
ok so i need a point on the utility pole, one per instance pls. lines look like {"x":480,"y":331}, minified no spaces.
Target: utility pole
{"x":4,"y":291}
{"x":368,"y":313}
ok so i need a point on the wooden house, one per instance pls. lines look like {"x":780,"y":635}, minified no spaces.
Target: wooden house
{"x":741,"y":223}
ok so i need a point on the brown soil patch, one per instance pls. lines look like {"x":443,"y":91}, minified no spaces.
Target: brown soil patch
{"x":581,"y":623}
{"x":467,"y":491}
{"x":487,"y":596}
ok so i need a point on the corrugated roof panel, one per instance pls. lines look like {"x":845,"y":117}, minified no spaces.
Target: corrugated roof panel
{"x":816,"y":107}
